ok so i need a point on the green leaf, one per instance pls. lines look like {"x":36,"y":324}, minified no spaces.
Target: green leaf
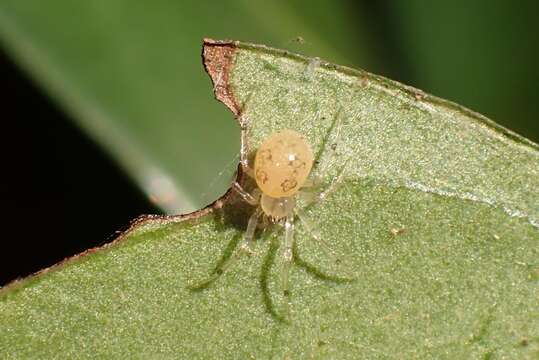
{"x":128,"y":73}
{"x":434,"y":210}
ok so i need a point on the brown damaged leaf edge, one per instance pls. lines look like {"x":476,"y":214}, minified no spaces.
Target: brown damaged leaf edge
{"x":134,"y":225}
{"x":140,"y":221}
{"x":217,"y":57}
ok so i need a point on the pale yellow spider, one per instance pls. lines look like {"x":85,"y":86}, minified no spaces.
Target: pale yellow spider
{"x":282,"y":166}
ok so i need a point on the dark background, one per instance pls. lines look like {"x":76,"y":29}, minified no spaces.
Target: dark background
{"x":54,"y":181}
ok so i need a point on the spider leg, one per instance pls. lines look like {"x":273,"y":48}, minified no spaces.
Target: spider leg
{"x":243,"y":247}
{"x":251,"y":199}
{"x":335,"y":127}
{"x":247,"y":241}
{"x":311,"y":183}
{"x":331,"y":188}
{"x":329,"y":143}
{"x":309,"y":189}
{"x":311,"y":67}
{"x":219,"y":175}
{"x":309,"y":228}
{"x":287,"y":251}
{"x":244,"y":121}
{"x":312,"y":199}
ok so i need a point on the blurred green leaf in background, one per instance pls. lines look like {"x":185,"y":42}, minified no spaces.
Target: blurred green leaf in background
{"x":128,"y":73}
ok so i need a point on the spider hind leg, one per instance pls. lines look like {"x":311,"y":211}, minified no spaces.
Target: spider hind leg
{"x":288,"y":256}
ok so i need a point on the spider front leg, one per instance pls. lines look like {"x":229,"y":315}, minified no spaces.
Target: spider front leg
{"x":244,"y":247}
{"x":252,"y":199}
{"x":329,"y":145}
{"x":287,"y":251}
{"x":247,"y":242}
{"x":245,"y":166}
{"x":308,"y":192}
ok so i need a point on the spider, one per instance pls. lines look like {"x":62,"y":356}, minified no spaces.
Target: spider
{"x":282,"y":164}
{"x":281,"y":170}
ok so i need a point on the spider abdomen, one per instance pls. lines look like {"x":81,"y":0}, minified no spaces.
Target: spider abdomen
{"x":282,"y":164}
